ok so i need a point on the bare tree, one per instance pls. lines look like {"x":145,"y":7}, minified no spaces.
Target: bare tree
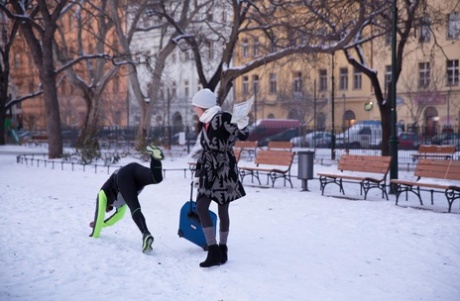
{"x":410,"y":15}
{"x":91,"y":45}
{"x":285,"y":27}
{"x":9,"y":31}
{"x":38,"y":21}
{"x":178,"y":12}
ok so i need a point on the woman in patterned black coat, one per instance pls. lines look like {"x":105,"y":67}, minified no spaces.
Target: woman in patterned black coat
{"x":216,"y":176}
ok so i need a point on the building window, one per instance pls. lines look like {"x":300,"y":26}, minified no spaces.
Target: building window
{"x":256,"y":47}
{"x":424,"y":75}
{"x":210,"y":50}
{"x":272,"y":46}
{"x":453,"y":26}
{"x":343,"y":78}
{"x":17,"y":60}
{"x":245,"y":48}
{"x":425,"y":33}
{"x":323,"y":80}
{"x":174,"y":88}
{"x":452,"y":72}
{"x":255,"y":84}
{"x":387,"y":76}
{"x":357,"y":79}
{"x":186,"y":88}
{"x":297,"y":84}
{"x":162,"y":91}
{"x":245,"y":85}
{"x":115,"y":84}
{"x":62,"y":87}
{"x":292,"y":38}
{"x":117,"y":117}
{"x":224,"y":16}
{"x":272,"y":83}
{"x":321,"y":122}
{"x":388,"y":37}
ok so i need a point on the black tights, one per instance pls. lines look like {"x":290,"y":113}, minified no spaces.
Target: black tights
{"x":131,"y":180}
{"x":202,"y":206}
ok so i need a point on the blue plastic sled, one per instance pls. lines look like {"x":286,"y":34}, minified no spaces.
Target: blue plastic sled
{"x":189,"y":223}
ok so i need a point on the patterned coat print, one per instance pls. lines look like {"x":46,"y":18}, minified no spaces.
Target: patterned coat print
{"x":217,"y":166}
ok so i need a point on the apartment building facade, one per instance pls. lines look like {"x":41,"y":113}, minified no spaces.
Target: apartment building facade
{"x":324,"y":90}
{"x":315,"y":88}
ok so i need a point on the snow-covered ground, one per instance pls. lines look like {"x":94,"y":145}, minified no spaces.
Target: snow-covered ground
{"x":285,"y":244}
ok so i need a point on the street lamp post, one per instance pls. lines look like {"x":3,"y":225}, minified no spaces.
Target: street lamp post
{"x":314,"y":105}
{"x":332,"y":109}
{"x":255,"y":102}
{"x":346,"y":121}
{"x":393,"y":138}
{"x":448,"y":109}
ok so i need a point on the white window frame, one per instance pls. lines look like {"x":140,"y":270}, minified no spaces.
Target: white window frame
{"x":388,"y":76}
{"x":272,"y":83}
{"x":453,"y":26}
{"x":343,"y":78}
{"x":452,"y":72}
{"x":425,"y":32}
{"x":245,"y":85}
{"x":255,"y":84}
{"x":357,"y":79}
{"x":297,"y":83}
{"x":424,"y":74}
{"x":245,"y":48}
{"x":323,"y":80}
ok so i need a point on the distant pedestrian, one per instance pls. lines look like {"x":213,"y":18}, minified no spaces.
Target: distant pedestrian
{"x":121,"y":191}
{"x":216,"y":175}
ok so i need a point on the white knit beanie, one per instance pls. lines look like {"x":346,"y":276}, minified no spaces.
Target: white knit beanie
{"x":204,"y":98}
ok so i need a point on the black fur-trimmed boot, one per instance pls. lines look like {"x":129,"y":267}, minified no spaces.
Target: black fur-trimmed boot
{"x":213,"y":258}
{"x":223,"y":253}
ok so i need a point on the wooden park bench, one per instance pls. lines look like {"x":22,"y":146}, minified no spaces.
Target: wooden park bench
{"x":236,"y":151}
{"x":434,"y":152}
{"x":275,"y":164}
{"x":250,"y":147}
{"x":38,"y":139}
{"x":280,"y":145}
{"x":427,"y":170}
{"x":369,"y":171}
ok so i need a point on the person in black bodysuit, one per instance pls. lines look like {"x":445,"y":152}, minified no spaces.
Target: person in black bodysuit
{"x":121,"y":190}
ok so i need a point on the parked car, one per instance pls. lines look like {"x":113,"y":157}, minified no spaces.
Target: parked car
{"x":283,"y":136}
{"x":363,"y":134}
{"x":268,"y":127}
{"x":409,"y":140}
{"x":445,"y":135}
{"x":313,"y":139}
{"x":453,"y":139}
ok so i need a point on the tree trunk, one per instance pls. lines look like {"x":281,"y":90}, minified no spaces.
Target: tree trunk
{"x":385,"y":115}
{"x":53,"y":118}
{"x":88,"y":138}
{"x":42,"y":52}
{"x":2,"y":125}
